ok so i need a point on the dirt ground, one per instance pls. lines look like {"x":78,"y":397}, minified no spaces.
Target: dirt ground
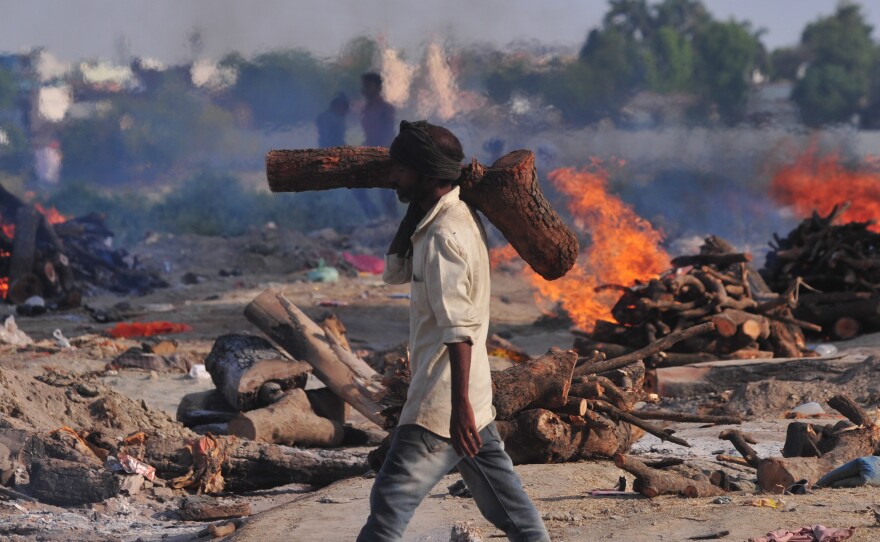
{"x":376,"y":316}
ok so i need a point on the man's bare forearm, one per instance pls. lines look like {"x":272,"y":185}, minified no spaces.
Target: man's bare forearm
{"x":460,"y":361}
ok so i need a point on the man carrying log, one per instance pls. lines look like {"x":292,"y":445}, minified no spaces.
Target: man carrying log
{"x":447,"y":421}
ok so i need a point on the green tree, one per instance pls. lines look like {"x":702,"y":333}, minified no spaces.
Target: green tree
{"x":728,"y":52}
{"x":673,"y":57}
{"x":282,"y":88}
{"x":8,"y":88}
{"x":836,"y":84}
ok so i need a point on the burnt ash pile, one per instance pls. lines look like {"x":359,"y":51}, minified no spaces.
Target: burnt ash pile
{"x":718,"y":285}
{"x":44,"y":255}
{"x":841,"y":262}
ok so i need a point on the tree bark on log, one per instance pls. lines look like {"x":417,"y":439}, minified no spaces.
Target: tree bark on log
{"x":543,"y":382}
{"x":240,"y":364}
{"x":290,"y":421}
{"x":540,"y":436}
{"x":348,"y":376}
{"x":253,"y":465}
{"x":507,"y":193}
{"x":651,"y":483}
{"x":68,"y":483}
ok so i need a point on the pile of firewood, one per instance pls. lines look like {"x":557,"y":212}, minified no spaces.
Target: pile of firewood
{"x":842,"y":262}
{"x":59,"y":262}
{"x":717,"y":285}
{"x":559,"y":407}
{"x":553,"y":408}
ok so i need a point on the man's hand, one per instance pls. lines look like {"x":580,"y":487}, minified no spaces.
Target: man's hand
{"x":463,"y":429}
{"x":401,"y":245}
{"x":462,"y":426}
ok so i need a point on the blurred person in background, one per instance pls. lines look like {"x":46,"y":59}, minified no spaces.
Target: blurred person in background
{"x":331,"y":123}
{"x":377,"y":120}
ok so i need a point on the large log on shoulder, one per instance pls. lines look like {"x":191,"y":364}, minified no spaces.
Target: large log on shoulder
{"x":241,"y":364}
{"x":507,"y":192}
{"x":345,"y":374}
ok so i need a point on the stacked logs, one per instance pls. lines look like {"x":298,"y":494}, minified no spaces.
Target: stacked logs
{"x":842,"y":262}
{"x":260,"y":396}
{"x":559,"y":407}
{"x":61,"y":261}
{"x":717,"y":285}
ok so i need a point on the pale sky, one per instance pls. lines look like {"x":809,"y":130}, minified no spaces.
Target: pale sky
{"x":77,"y":29}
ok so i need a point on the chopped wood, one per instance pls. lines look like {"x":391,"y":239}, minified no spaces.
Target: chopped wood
{"x":543,"y":382}
{"x":240,"y":364}
{"x":650,"y":350}
{"x":290,"y":421}
{"x":69,"y":483}
{"x":341,"y":371}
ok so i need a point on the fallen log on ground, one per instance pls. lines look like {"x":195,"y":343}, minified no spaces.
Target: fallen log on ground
{"x":240,"y":364}
{"x":347,"y":375}
{"x":255,"y":465}
{"x":506,"y":192}
{"x":651,"y":482}
{"x":775,"y":474}
{"x":290,"y":421}
{"x":69,"y":483}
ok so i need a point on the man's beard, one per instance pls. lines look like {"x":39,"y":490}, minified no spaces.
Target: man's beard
{"x":415,"y":193}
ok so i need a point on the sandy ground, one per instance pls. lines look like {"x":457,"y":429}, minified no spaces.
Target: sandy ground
{"x":377,"y":318}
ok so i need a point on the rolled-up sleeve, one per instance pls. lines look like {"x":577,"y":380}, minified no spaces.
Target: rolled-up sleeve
{"x":448,"y":280}
{"x":397,"y":270}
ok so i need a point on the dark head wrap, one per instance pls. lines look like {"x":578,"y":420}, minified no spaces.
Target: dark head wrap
{"x":413,"y":147}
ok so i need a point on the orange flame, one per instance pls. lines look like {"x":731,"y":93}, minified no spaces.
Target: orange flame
{"x":4,"y":287}
{"x":52,"y":216}
{"x":625,"y":248}
{"x":814,"y":182}
{"x":499,"y":256}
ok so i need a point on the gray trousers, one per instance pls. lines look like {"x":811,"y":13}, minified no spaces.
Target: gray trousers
{"x":418,"y":459}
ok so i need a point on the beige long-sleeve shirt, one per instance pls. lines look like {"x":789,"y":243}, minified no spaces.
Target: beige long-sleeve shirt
{"x":449,"y":276}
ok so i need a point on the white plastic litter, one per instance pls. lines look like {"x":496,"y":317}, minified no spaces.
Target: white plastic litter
{"x":10,"y":334}
{"x":60,"y":339}
{"x":199,"y":372}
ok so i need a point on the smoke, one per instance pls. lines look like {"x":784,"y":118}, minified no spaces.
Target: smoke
{"x":439,"y":93}
{"x":397,"y":76}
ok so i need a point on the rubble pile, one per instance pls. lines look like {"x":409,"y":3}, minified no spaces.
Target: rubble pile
{"x":840,"y":264}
